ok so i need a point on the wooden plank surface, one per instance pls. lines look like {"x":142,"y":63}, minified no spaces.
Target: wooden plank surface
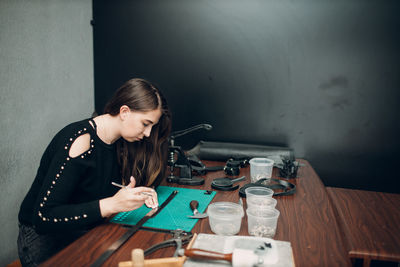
{"x":307,"y":221}
{"x":370,"y":221}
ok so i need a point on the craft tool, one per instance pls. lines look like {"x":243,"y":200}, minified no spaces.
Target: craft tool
{"x":137,"y":259}
{"x":122,"y":186}
{"x":238,"y":258}
{"x":194,"y":204}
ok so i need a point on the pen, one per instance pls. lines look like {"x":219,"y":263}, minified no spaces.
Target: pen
{"x":122,"y":186}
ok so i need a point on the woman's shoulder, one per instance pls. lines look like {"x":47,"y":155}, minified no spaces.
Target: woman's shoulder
{"x":77,"y":138}
{"x":61,"y":143}
{"x":81,"y":125}
{"x":71,"y":131}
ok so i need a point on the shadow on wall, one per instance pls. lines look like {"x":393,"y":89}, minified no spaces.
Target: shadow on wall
{"x":367,"y":172}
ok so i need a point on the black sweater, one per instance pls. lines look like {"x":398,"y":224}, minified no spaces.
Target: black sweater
{"x":66,"y":191}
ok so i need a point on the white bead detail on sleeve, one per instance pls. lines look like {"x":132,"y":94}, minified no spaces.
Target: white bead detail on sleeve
{"x":58,"y":176}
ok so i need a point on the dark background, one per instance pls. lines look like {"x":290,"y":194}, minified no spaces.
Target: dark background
{"x":321,"y":77}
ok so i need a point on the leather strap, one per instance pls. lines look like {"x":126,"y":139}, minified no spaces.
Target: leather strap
{"x":277,"y":184}
{"x":117,"y":244}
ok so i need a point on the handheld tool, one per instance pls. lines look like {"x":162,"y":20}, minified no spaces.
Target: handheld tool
{"x":245,"y":252}
{"x":179,"y":238}
{"x":117,"y":244}
{"x":138,"y":259}
{"x":194,"y":204}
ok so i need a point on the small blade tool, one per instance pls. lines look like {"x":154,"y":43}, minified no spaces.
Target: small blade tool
{"x":194,"y":204}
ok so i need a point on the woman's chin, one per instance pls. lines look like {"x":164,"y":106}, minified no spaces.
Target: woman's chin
{"x":132,"y":139}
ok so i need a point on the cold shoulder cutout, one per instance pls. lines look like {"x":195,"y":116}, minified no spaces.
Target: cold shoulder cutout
{"x":80,"y":145}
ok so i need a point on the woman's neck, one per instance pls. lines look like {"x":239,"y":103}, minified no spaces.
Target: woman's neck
{"x":107,"y":128}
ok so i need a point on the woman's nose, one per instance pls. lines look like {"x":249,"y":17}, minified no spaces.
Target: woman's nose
{"x":147,"y":131}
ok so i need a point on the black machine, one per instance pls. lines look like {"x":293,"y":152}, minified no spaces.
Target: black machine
{"x":190,"y":164}
{"x":178,"y":159}
{"x":238,"y":156}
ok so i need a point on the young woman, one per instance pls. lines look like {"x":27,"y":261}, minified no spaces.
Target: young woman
{"x":72,"y":191}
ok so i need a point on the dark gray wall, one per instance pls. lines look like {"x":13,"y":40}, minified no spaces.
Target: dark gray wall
{"x":46,"y":82}
{"x":321,"y":77}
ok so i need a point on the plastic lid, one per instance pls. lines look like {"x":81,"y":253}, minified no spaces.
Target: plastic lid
{"x":261,"y":162}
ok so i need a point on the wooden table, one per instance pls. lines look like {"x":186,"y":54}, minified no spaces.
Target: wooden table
{"x":370,"y":222}
{"x":306,"y":220}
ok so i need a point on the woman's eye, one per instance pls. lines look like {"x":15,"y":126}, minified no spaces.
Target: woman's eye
{"x":145,"y":124}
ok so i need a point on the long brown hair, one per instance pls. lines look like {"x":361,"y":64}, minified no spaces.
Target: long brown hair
{"x":145,"y":160}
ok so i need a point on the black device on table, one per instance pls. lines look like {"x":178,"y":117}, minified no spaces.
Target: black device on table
{"x":191,"y":164}
{"x":178,"y":159}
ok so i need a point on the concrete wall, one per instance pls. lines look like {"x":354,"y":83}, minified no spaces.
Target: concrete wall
{"x":46,"y":81}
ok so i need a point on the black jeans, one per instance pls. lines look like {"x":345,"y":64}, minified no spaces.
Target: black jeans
{"x":34,"y":248}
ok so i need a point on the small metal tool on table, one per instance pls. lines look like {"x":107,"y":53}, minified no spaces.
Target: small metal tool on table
{"x":179,"y":238}
{"x":194,"y":204}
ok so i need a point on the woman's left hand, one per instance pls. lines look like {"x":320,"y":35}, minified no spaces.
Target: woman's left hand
{"x":152,"y":200}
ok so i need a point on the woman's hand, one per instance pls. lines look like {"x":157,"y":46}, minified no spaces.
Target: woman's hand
{"x":151,"y":199}
{"x":129,"y":198}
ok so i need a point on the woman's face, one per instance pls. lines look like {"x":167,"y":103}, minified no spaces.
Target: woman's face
{"x":136,"y":125}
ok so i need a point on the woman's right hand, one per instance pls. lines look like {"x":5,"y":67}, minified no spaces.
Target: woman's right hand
{"x":127,"y":199}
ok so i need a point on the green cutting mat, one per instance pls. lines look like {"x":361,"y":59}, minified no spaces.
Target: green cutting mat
{"x":174,"y":215}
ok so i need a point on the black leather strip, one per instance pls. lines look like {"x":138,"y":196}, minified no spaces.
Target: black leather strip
{"x":286,"y":187}
{"x":103,"y":257}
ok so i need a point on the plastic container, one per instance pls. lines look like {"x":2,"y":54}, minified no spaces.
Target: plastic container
{"x":260,"y":168}
{"x":225,"y":217}
{"x":258,"y":191}
{"x":262,"y":222}
{"x":261,"y":202}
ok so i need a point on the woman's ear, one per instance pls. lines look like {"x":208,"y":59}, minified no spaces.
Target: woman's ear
{"x":124,"y":112}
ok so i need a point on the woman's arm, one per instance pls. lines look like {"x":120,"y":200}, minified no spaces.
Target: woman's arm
{"x":53,"y":208}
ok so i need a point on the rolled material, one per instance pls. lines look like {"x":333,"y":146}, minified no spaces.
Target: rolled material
{"x":239,"y":257}
{"x":244,"y":258}
{"x":222,"y":151}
